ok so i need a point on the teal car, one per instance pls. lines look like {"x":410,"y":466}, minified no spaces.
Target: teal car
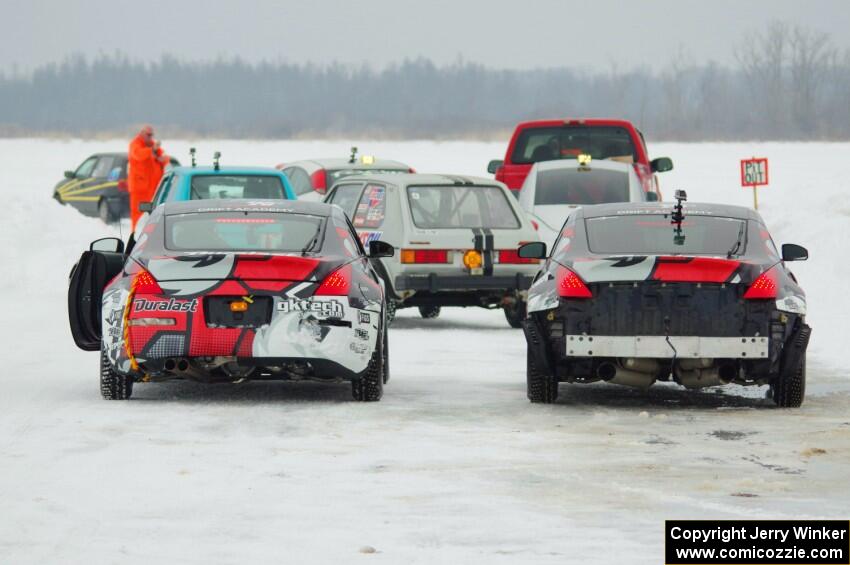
{"x":203,"y":183}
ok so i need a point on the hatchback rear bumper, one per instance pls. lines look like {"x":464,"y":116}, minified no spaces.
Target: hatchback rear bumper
{"x":436,"y":283}
{"x":667,"y":347}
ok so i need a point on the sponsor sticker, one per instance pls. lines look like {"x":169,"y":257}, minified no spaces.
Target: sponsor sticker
{"x":358,"y":348}
{"x":368,"y":236}
{"x":326,"y":309}
{"x":364,"y":317}
{"x":171,"y":305}
{"x":361,"y":334}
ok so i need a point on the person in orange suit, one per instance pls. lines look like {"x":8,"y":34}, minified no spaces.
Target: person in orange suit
{"x":146,"y":163}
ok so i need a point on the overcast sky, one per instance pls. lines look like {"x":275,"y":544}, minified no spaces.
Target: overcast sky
{"x":592,"y":34}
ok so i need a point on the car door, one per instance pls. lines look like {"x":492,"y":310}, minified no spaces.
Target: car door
{"x":88,"y":278}
{"x":74,"y":191}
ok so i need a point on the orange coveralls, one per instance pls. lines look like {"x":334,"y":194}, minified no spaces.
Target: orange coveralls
{"x":143,"y":174}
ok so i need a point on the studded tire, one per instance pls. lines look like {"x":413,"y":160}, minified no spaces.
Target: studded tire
{"x":542,"y":387}
{"x":391,"y":308}
{"x":113,"y":385}
{"x":369,"y":387}
{"x":429,"y":312}
{"x":790,"y":388}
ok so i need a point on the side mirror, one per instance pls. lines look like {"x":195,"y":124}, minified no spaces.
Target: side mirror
{"x":661,"y":165}
{"x":533,"y":250}
{"x":652,"y":197}
{"x":108,"y":245}
{"x":494,"y":165}
{"x":380,"y":248}
{"x":69,"y":174}
{"x":146,"y":207}
{"x":793,"y":252}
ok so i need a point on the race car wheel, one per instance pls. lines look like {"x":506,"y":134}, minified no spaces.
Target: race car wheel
{"x":515,"y":313}
{"x":369,"y":387}
{"x":542,"y":388}
{"x":105,"y":212}
{"x":790,"y":388}
{"x":391,"y":308}
{"x":429,"y":311}
{"x":386,"y":355}
{"x":113,"y":386}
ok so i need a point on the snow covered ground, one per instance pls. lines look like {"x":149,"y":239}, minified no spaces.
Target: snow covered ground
{"x":454,"y":465}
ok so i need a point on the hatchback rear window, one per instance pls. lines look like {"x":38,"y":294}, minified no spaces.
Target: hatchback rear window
{"x":238,"y":231}
{"x":653,"y":234}
{"x":568,"y":142}
{"x":236,"y":186}
{"x":576,"y":186}
{"x":460,"y":207}
{"x":338,"y":174}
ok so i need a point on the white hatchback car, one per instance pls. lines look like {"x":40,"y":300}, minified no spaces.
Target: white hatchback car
{"x":553,"y":189}
{"x":457,"y":240}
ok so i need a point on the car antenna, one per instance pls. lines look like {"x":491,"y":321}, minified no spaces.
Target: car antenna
{"x":216,"y":158}
{"x":192,"y":155}
{"x":353,"y":158}
{"x":678,"y":217}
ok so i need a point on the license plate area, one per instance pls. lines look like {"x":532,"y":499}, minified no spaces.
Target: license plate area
{"x":218,"y":313}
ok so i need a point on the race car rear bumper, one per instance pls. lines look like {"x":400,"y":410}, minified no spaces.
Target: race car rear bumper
{"x":664,"y":347}
{"x":437,"y":283}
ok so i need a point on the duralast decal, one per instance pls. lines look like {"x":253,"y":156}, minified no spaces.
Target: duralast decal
{"x":327,"y":309}
{"x":171,"y":305}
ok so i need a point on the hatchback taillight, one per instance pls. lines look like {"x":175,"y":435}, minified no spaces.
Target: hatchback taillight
{"x":511,"y":256}
{"x":424,"y":256}
{"x":764,"y":287}
{"x":336,"y":284}
{"x":570,"y":284}
{"x":122,"y":186}
{"x":319,"y":180}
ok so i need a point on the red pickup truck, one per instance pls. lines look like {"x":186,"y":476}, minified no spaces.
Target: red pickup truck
{"x":547,"y":140}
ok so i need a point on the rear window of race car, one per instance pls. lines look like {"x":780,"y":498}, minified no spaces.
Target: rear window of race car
{"x":653,"y":234}
{"x":576,"y":186}
{"x":436,"y":207}
{"x":239,"y":231}
{"x":339,"y":174}
{"x":236,"y":186}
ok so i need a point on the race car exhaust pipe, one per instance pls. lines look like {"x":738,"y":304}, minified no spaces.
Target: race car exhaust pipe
{"x":170,"y":364}
{"x":611,"y":373}
{"x":714,"y":376}
{"x":182,"y":365}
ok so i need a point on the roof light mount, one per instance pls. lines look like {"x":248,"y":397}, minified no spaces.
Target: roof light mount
{"x":678,"y":216}
{"x":216,"y":160}
{"x":192,"y":152}
{"x":353,"y":158}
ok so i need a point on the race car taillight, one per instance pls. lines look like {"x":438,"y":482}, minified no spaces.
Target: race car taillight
{"x":424,"y":256}
{"x":336,"y":283}
{"x":146,"y":284}
{"x":512,"y":256}
{"x":570,"y":284}
{"x":319,"y":179}
{"x":764,"y":287}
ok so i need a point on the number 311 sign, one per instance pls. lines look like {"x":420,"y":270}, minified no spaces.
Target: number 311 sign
{"x":754,"y":174}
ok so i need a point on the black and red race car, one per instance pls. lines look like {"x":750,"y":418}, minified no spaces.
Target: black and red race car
{"x":644,"y":292}
{"x":230,"y":290}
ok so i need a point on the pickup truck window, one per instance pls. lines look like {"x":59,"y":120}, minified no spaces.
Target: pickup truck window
{"x":568,"y":142}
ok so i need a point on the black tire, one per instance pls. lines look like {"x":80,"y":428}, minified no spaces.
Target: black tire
{"x":429,"y":312}
{"x":542,"y":388}
{"x":105,"y":212}
{"x":113,"y":386}
{"x":790,"y":388}
{"x":386,"y":356}
{"x":369,"y":387}
{"x":391,"y":308}
{"x":515,"y":314}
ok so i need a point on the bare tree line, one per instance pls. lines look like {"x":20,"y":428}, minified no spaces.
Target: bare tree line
{"x":788,"y":83}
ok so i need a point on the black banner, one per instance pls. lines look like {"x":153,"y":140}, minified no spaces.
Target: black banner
{"x":757,"y":542}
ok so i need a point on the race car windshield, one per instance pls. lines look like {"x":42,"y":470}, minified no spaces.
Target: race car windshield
{"x":568,"y":142}
{"x":576,"y":186}
{"x":435,"y":207}
{"x":337,"y":174}
{"x":653,"y":234}
{"x":237,"y":186}
{"x":238,"y":231}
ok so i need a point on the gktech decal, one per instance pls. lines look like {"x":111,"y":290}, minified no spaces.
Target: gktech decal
{"x":325,"y":309}
{"x":171,"y":305}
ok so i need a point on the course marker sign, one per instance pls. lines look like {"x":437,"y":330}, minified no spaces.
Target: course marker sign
{"x":754,"y":173}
